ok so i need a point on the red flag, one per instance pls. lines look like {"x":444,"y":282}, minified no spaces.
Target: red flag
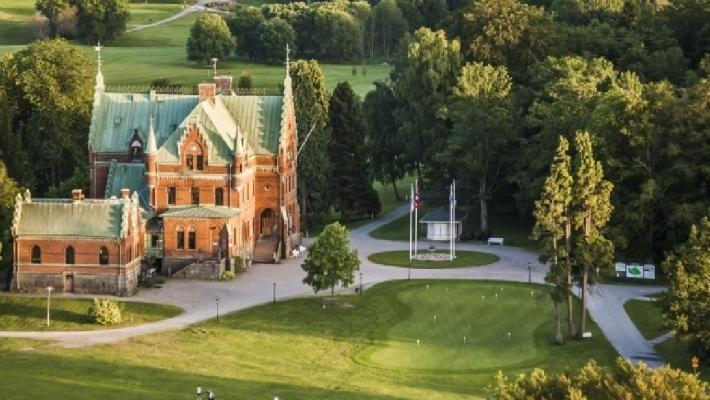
{"x":417,"y":197}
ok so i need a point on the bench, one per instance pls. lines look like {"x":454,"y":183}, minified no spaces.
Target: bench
{"x":495,"y":240}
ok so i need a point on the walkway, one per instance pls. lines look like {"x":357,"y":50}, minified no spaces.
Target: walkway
{"x":200,"y":6}
{"x":256,"y":286}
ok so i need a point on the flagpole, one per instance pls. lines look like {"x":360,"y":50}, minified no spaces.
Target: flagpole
{"x":451,"y":232}
{"x":453,"y":243}
{"x":411,"y":207}
{"x":416,"y":217}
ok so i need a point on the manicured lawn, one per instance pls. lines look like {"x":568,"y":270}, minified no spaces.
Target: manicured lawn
{"x":142,"y":13}
{"x":355,"y":349}
{"x":388,"y":199}
{"x":22,"y":313}
{"x":677,"y":355}
{"x":400,"y":258}
{"x":647,"y":317}
{"x":15,"y":21}
{"x":171,"y":34}
{"x":398,"y":229}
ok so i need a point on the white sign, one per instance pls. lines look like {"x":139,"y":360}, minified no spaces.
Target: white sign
{"x":587,"y":335}
{"x":649,"y":271}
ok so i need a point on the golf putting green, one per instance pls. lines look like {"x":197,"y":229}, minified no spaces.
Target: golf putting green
{"x":464,"y":258}
{"x":457,"y":325}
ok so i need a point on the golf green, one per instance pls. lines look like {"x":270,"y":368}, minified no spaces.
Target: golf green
{"x":464,"y":258}
{"x":462,"y":326}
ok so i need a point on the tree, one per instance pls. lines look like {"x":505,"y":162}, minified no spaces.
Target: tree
{"x":626,"y":381}
{"x":552,"y":224}
{"x":244,"y":24}
{"x":350,"y":185}
{"x":330,"y":261}
{"x":591,"y":211}
{"x":482,"y":134}
{"x":338,"y":35}
{"x":273,"y":36}
{"x":504,"y":32}
{"x":244,"y":81}
{"x":209,"y":38}
{"x":686,"y":303}
{"x":48,"y":92}
{"x":101,"y":20}
{"x":311,"y":102}
{"x":423,"y":77}
{"x":51,"y":9}
{"x":384,"y":141}
{"x":389,"y":26}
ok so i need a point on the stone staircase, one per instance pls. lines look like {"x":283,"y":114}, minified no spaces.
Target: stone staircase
{"x":266,"y":250}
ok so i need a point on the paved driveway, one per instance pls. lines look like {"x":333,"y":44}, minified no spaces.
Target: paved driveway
{"x":256,"y":286}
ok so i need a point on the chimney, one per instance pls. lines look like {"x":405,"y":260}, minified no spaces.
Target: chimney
{"x":125,"y":193}
{"x":76,"y":195}
{"x":224,"y":84}
{"x":206,"y":91}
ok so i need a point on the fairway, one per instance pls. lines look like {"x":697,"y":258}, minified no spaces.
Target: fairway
{"x":464,"y":258}
{"x":23,"y":313}
{"x":354,"y":348}
{"x":442,"y":314}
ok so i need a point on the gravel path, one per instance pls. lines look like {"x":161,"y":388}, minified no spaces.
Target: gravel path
{"x":256,"y":286}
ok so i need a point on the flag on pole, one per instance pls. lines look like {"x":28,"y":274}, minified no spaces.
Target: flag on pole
{"x":411,"y":209}
{"x":417,"y":200}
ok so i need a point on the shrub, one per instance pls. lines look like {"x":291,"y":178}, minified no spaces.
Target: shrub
{"x":238,"y":264}
{"x":244,"y":81}
{"x":226,"y":276}
{"x":105,"y":312}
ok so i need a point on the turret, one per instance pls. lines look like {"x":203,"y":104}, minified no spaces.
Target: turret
{"x":151,"y":153}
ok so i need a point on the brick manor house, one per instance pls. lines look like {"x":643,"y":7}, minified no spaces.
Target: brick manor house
{"x":176,"y":181}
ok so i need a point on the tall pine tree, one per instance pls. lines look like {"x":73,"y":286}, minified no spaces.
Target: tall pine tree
{"x":551,"y":226}
{"x":591,"y":211}
{"x":350,"y":185}
{"x":311,"y":102}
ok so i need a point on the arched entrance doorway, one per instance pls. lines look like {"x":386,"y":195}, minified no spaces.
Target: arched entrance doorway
{"x":267,"y":222}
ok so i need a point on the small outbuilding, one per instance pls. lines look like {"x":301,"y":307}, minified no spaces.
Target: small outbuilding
{"x":436,"y":223}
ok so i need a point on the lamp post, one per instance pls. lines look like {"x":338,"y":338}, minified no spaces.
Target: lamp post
{"x":529,"y":272}
{"x":217,"y":301}
{"x":49,"y":298}
{"x":274,"y":292}
{"x":360,"y":282}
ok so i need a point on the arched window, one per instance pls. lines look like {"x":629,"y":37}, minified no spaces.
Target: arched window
{"x":180,"y":238}
{"x":103,"y":256}
{"x":69,"y":255}
{"x":219,"y":197}
{"x":190,"y":162}
{"x":36,"y":255}
{"x":191,"y":239}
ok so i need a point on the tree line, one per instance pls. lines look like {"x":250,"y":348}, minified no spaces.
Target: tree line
{"x":89,"y":20}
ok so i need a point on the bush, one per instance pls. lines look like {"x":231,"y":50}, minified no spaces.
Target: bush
{"x":105,"y":312}
{"x":226,"y":276}
{"x":238,"y":264}
{"x":244,"y":81}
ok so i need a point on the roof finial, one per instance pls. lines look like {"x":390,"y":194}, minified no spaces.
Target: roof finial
{"x":288,"y":52}
{"x":98,"y":48}
{"x":151,"y":145}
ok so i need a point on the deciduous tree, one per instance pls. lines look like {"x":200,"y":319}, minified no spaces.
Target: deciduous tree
{"x":101,"y":20}
{"x":244,"y":24}
{"x":209,"y":38}
{"x":330,"y":261}
{"x":273,"y":36}
{"x":686,"y":304}
{"x":51,"y":9}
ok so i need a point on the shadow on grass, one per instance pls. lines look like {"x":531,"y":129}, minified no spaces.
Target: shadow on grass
{"x":39,"y":313}
{"x":38,"y":375}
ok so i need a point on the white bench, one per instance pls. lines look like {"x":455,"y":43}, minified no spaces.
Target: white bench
{"x":495,"y":240}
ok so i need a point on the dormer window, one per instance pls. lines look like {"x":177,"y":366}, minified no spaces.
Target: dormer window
{"x":136,"y":150}
{"x":194,"y":159}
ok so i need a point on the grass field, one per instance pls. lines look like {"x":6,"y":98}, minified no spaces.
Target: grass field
{"x":296,"y":349}
{"x":400,"y":258}
{"x":22,"y":313}
{"x":678,"y":356}
{"x":647,"y":317}
{"x":140,"y":57}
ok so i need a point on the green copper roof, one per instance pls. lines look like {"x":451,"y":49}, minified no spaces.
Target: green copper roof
{"x":88,"y":218}
{"x":124,"y":175}
{"x":117,"y":115}
{"x":200,"y":212}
